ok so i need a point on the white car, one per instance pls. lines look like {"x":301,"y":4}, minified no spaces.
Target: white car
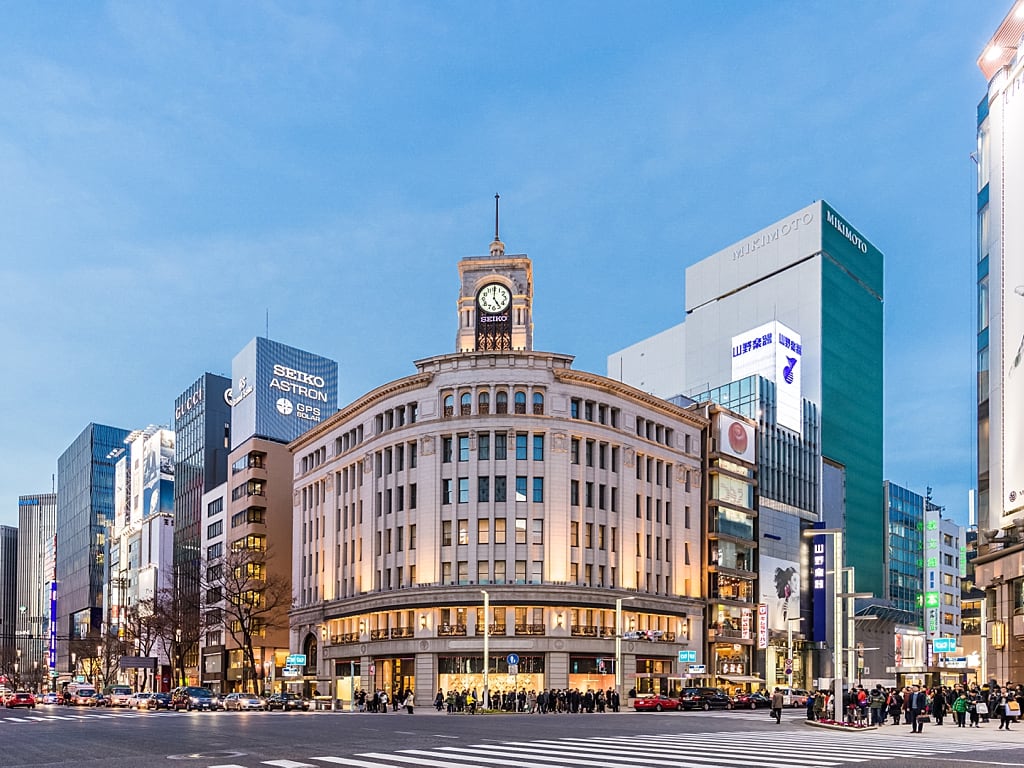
{"x":139,"y":701}
{"x":243,"y":701}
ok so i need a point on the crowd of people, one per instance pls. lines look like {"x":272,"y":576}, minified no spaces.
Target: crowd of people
{"x":967,"y":706}
{"x":572,"y":701}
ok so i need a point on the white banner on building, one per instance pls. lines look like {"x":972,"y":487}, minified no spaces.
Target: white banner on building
{"x":774,"y":351}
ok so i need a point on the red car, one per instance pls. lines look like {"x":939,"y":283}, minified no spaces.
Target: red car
{"x":656,"y":703}
{"x":20,"y":699}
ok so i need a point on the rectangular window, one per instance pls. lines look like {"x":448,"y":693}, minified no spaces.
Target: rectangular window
{"x":538,"y":531}
{"x":482,"y":572}
{"x":521,"y":488}
{"x":483,"y":531}
{"x":538,"y":490}
{"x":589,"y":494}
{"x":588,"y":453}
{"x":412,"y":455}
{"x":483,"y":446}
{"x":463,"y":531}
{"x":214,"y":551}
{"x":463,"y":447}
{"x":600,"y":537}
{"x":500,"y":446}
{"x":499,"y":572}
{"x":463,"y":490}
{"x":446,"y":533}
{"x":499,"y":530}
{"x":574,"y":493}
{"x":446,"y":450}
{"x":412,"y":495}
{"x":215,"y":529}
{"x":520,"y":571}
{"x":500,"y":484}
{"x":588,"y":535}
{"x":538,"y":447}
{"x":574,"y":450}
{"x":446,"y":491}
{"x":520,"y":531}
{"x":412,"y":537}
{"x":521,"y":446}
{"x":574,"y":534}
{"x":483,"y":489}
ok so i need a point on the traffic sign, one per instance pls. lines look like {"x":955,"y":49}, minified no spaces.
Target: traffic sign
{"x":687,"y":656}
{"x":295,"y":660}
{"x":513,"y":669}
{"x":290,"y":672}
{"x":512,"y":659}
{"x":697,"y":669}
{"x":944,"y":645}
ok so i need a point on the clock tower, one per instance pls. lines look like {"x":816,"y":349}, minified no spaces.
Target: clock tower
{"x":495,"y":300}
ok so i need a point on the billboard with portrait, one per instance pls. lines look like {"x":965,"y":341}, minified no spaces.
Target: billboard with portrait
{"x":780,"y":591}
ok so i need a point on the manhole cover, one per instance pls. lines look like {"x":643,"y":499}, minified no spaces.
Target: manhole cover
{"x":206,"y":755}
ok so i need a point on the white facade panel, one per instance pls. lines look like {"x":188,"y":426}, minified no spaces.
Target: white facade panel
{"x":654,"y":365}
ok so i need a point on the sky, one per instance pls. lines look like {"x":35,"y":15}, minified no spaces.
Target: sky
{"x":177,"y":178}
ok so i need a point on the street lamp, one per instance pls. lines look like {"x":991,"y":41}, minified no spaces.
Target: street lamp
{"x":837,"y":611}
{"x":486,"y":700}
{"x":789,"y":650}
{"x":618,"y":643}
{"x":177,"y":655}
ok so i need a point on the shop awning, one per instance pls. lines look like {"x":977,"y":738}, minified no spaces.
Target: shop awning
{"x":742,"y":678}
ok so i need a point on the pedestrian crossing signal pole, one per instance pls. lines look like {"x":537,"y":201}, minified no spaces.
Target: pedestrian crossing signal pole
{"x":485,"y":702}
{"x":618,"y":643}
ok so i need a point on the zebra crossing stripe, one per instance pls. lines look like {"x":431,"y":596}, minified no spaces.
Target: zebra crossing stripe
{"x":346,"y":761}
{"x":515,"y":757}
{"x":794,"y":748}
{"x":287,"y":764}
{"x":640,"y":751}
{"x":402,"y":758}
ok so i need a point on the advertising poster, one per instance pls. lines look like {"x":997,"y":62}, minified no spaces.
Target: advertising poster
{"x":780,"y":591}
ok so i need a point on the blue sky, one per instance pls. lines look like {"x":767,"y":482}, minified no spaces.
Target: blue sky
{"x":172,"y":172}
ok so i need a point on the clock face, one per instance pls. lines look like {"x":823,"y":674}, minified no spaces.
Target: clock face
{"x":493,"y":298}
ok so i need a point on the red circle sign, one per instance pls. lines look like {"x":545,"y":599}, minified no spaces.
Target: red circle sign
{"x":737,"y":438}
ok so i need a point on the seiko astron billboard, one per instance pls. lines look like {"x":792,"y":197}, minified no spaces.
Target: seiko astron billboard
{"x":279,"y":392}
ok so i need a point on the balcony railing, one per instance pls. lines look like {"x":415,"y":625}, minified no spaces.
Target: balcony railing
{"x":721,"y":630}
{"x":494,"y":629}
{"x":452,"y":630}
{"x":402,"y":632}
{"x":579,"y":630}
{"x":379,"y":634}
{"x":531,"y":629}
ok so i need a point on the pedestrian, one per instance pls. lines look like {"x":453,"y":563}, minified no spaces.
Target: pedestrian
{"x":382,"y":701}
{"x":894,"y":702}
{"x":1004,"y":708}
{"x":809,"y":704}
{"x":408,"y":704}
{"x":938,"y":708}
{"x":960,"y":710}
{"x":778,"y":701}
{"x":917,"y":709}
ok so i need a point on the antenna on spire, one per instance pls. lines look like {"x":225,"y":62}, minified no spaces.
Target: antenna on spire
{"x":496,"y":198}
{"x":497,"y":247}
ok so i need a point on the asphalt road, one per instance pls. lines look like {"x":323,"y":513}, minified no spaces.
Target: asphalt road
{"x":123,"y":739}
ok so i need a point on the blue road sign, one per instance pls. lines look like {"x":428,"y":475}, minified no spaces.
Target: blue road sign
{"x":512,"y":659}
{"x":687,"y":657}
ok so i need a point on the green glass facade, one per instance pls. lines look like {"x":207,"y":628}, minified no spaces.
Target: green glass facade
{"x":851,"y":388}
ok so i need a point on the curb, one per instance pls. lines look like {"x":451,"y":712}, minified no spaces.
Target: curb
{"x":839,"y":727}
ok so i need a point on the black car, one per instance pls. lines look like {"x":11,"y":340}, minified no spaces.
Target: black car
{"x":751,"y":700}
{"x":705,"y":698}
{"x":287,"y":702}
{"x":191,"y":697}
{"x":159,"y":701}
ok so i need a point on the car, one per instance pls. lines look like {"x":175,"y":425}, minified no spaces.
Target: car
{"x":287,"y":702}
{"x":242,"y":701}
{"x":751,"y":700}
{"x":705,"y":698}
{"x":189,"y":697}
{"x":139,"y":700}
{"x":655,"y":703}
{"x":98,"y":700}
{"x":20,"y":699}
{"x":159,"y":701}
{"x":794,"y":697}
{"x":50,"y":698}
{"x":118,"y":695}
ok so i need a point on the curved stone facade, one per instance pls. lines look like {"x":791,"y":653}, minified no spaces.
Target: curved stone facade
{"x":558,"y":493}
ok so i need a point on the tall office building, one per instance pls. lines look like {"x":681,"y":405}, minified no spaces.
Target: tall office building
{"x":801,"y":303}
{"x":1000,"y":356}
{"x":37,"y":524}
{"x":85,"y":510}
{"x":202,"y":428}
{"x":8,"y":589}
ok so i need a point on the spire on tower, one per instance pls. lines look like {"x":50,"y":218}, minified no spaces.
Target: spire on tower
{"x":497,"y":247}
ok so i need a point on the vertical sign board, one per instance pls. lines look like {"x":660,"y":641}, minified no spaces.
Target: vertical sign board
{"x":762,"y":626}
{"x":745,"y":623}
{"x":774,"y":351}
{"x":819,"y":546}
{"x":931,"y":571}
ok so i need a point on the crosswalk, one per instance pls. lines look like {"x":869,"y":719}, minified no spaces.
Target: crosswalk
{"x":787,"y":748}
{"x":21,"y":719}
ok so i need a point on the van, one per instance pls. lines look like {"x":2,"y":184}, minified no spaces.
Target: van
{"x":794,"y":697}
{"x":81,"y":694}
{"x":118,"y":695}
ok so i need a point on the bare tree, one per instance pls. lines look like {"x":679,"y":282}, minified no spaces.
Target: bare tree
{"x":252,"y":600}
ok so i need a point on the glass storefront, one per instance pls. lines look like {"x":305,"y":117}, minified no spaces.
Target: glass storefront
{"x":466,"y":673}
{"x":591,"y":673}
{"x":346,"y":681}
{"x":652,"y":676}
{"x":394,"y":675}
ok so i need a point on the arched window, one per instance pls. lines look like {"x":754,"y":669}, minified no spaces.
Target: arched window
{"x":449,"y":405}
{"x":483,"y":403}
{"x":538,"y":403}
{"x":466,"y":404}
{"x":501,"y":402}
{"x":520,"y":402}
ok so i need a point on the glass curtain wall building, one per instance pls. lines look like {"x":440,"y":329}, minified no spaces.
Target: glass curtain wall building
{"x":202,"y":428}
{"x":905,"y":554}
{"x":85,"y":507}
{"x":37,"y":521}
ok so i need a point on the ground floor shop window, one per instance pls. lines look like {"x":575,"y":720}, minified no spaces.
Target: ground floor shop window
{"x":591,"y":672}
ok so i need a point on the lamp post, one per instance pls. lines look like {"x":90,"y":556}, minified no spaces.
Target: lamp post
{"x":618,"y":643}
{"x":486,"y":699}
{"x":177,"y":655}
{"x":789,"y":651}
{"x":837,"y":611}
{"x":99,"y":665}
